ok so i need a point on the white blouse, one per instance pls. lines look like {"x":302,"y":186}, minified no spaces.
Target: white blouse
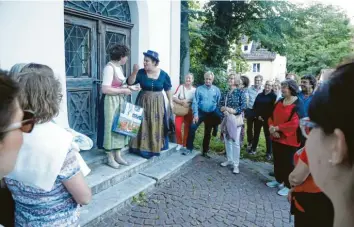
{"x":184,"y":93}
{"x":109,"y":72}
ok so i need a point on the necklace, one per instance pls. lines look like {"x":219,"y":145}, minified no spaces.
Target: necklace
{"x":289,"y":101}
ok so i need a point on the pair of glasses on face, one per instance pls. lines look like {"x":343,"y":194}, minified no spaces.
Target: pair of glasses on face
{"x":306,"y":126}
{"x":26,"y":125}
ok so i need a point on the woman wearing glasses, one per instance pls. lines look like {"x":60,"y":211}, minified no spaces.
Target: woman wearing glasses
{"x":330,"y":142}
{"x":309,"y":205}
{"x":13,"y":122}
{"x":46,"y":184}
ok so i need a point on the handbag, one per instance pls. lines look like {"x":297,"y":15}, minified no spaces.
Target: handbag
{"x":178,"y":109}
{"x":239,"y":118}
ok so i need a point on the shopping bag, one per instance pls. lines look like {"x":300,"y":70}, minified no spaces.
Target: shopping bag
{"x":127,"y":120}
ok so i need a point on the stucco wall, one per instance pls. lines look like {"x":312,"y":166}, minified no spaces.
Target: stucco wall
{"x":265,"y":70}
{"x":34,"y":32}
{"x":270,"y":70}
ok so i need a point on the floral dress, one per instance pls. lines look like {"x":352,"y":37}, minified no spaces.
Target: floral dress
{"x":38,"y":208}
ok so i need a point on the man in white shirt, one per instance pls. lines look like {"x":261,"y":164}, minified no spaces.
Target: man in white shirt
{"x":252,"y":93}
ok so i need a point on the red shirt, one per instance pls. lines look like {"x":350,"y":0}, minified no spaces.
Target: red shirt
{"x":287,"y":129}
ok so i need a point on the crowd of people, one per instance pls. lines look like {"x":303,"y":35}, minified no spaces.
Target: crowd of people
{"x":307,"y":132}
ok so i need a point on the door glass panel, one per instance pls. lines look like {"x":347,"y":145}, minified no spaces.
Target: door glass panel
{"x":118,"y":10}
{"x":113,"y":38}
{"x":77,"y":51}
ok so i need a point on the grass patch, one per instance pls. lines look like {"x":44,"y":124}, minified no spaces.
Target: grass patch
{"x":217,"y":146}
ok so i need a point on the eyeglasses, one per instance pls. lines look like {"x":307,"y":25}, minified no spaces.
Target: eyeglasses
{"x":306,"y":126}
{"x":26,"y":125}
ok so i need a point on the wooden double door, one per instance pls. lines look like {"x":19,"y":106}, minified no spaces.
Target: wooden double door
{"x":86,"y":53}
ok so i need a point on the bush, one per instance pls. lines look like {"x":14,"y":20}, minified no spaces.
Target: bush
{"x":217,"y":146}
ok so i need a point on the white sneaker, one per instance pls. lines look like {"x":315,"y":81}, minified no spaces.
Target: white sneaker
{"x":284,"y":191}
{"x":178,"y":147}
{"x":236,"y":170}
{"x":273,"y":184}
{"x":224,"y":164}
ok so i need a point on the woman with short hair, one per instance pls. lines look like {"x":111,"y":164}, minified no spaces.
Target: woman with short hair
{"x":152,"y":137}
{"x":232,"y":105}
{"x":277,"y":90}
{"x":284,"y":128}
{"x":184,"y":96}
{"x":263,"y":109}
{"x":330,"y":141}
{"x":114,"y":96}
{"x":13,"y":123}
{"x":46,"y":184}
{"x":244,"y":87}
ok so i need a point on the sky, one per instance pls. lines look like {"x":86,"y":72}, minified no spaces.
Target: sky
{"x":346,"y":5}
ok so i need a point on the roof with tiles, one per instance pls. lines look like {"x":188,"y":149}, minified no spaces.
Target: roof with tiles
{"x":258,"y":53}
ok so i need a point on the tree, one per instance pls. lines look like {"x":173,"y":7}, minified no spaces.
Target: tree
{"x":213,"y":30}
{"x":322,"y":42}
{"x":312,"y":37}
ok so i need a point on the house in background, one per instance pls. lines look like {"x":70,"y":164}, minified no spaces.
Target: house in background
{"x":72,"y":37}
{"x":270,"y":65}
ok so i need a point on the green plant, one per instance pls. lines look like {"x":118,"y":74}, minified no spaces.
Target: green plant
{"x":218,"y":147}
{"x":140,"y":199}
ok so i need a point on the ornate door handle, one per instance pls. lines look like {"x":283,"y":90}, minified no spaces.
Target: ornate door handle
{"x":97,"y":81}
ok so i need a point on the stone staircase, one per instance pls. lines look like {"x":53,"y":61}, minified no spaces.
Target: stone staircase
{"x":114,"y":188}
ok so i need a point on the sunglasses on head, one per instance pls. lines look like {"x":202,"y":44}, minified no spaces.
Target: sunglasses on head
{"x":306,"y":126}
{"x":27,"y":123}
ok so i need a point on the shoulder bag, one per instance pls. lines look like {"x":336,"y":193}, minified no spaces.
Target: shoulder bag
{"x":178,"y":109}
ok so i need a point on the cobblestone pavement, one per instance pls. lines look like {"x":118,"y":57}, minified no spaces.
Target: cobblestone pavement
{"x":205,"y":194}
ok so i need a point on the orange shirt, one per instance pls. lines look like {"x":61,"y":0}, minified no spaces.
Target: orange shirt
{"x":309,"y":184}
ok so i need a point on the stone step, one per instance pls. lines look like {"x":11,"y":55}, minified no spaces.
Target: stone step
{"x":96,"y":157}
{"x":164,"y":169}
{"x":106,"y":202}
{"x":103,"y":176}
{"x":115,"y":197}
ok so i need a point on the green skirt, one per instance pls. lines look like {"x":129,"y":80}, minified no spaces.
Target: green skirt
{"x":113,"y":140}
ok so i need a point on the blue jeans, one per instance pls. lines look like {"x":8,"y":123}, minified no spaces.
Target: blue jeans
{"x":210,"y":120}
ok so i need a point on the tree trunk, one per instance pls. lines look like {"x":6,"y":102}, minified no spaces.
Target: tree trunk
{"x":185,"y":54}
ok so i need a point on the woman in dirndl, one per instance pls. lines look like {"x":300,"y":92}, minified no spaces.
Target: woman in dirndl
{"x":114,"y":92}
{"x":153,"y":133}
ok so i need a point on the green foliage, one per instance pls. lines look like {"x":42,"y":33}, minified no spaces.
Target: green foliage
{"x":322,"y":42}
{"x":311,"y":37}
{"x":140,"y":199}
{"x":220,"y":24}
{"x":239,"y":65}
{"x":217,"y":146}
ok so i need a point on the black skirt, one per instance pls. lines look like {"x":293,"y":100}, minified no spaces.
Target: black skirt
{"x":7,"y":211}
{"x":318,"y":210}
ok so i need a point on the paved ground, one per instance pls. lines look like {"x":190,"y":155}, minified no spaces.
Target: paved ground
{"x":205,"y":194}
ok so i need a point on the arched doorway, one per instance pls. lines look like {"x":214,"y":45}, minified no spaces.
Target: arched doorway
{"x":91,"y":28}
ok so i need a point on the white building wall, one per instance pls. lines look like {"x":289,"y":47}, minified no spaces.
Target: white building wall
{"x":270,"y":70}
{"x":279,"y":67}
{"x":266,"y":70}
{"x":34,"y":32}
